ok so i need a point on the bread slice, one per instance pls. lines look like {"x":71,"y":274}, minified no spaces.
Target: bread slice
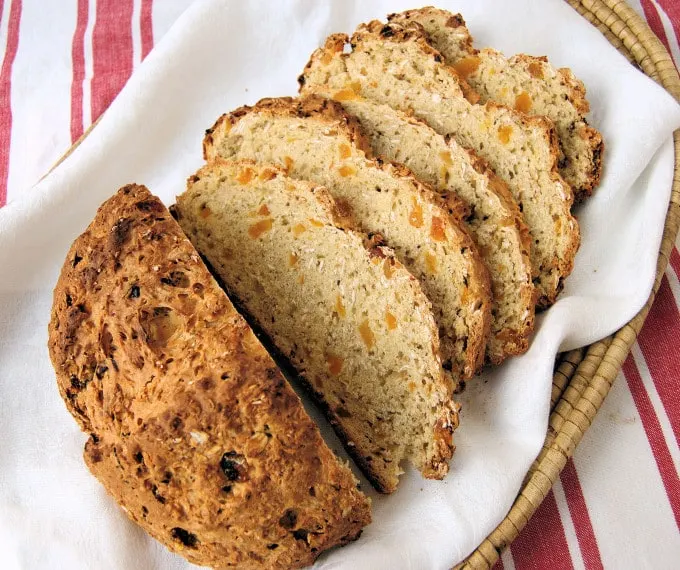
{"x":193,"y":429}
{"x":495,"y":221}
{"x":349,"y":318}
{"x":529,"y":84}
{"x":395,"y":65}
{"x":314,"y":139}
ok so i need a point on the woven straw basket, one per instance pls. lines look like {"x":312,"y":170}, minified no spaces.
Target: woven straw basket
{"x":584,"y":376}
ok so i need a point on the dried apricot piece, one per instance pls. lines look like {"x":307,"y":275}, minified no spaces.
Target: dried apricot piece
{"x":345,"y":171}
{"x":345,"y":95}
{"x":523,"y":102}
{"x":367,"y":334}
{"x":345,"y":150}
{"x":415,"y":217}
{"x":445,"y":155}
{"x":246,"y":175}
{"x":536,"y":69}
{"x":504,"y":133}
{"x":437,"y":231}
{"x":259,"y":228}
{"x":467,"y":66}
{"x":387,"y":268}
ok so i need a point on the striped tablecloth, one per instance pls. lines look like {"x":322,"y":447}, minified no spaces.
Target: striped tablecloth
{"x":617,"y":503}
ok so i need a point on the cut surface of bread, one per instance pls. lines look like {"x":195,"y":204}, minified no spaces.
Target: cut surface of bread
{"x":314,"y":139}
{"x":529,"y":84}
{"x":346,"y":314}
{"x":395,"y":65}
{"x":193,"y":429}
{"x":495,"y":221}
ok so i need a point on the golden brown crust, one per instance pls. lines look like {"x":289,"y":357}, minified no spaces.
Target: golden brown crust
{"x":410,"y":32}
{"x":335,"y":44}
{"x":193,"y":429}
{"x":596,"y":144}
{"x":300,"y":107}
{"x":453,"y":21}
{"x":332,"y":112}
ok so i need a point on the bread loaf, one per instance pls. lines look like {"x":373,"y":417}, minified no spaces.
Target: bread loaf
{"x":350,"y":319}
{"x":494,"y":221}
{"x":395,"y":65}
{"x":529,"y":84}
{"x":193,"y":429}
{"x":314,"y":139}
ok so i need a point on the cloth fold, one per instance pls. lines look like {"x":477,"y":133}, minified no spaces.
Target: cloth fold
{"x":220,"y":55}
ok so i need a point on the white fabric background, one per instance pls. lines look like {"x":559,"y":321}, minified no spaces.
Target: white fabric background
{"x":151,"y":134}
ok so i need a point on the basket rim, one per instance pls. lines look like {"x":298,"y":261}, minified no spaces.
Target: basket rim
{"x":583,"y":377}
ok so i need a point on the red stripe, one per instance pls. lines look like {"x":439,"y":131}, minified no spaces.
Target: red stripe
{"x":672,"y":9}
{"x":659,"y":344}
{"x":146,"y":25}
{"x":650,"y":422}
{"x":6,"y":94}
{"x":580,"y":517}
{"x":111,"y":52}
{"x":498,"y":565}
{"x":675,"y":261}
{"x":654,"y":21}
{"x":542,"y":544}
{"x":78,"y":58}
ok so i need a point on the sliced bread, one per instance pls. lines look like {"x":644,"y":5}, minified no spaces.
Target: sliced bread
{"x":193,"y":429}
{"x":394,"y":64}
{"x":529,"y":84}
{"x":494,"y":221}
{"x":314,"y":139}
{"x":349,"y":318}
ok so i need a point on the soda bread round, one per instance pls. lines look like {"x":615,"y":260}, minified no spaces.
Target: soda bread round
{"x":192,"y":428}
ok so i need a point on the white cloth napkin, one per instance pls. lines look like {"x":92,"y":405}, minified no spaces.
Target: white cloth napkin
{"x":219,"y":55}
